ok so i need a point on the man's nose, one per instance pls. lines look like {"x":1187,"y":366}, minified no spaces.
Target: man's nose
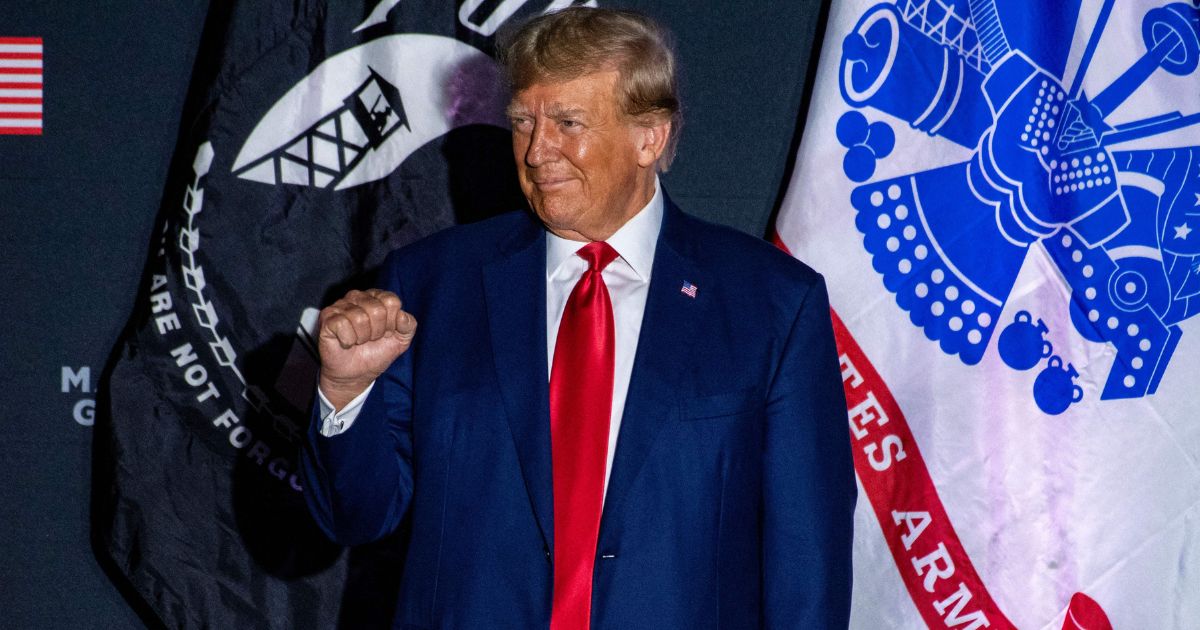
{"x":542,"y":144}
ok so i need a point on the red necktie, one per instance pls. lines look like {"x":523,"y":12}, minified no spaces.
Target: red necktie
{"x":581,"y":385}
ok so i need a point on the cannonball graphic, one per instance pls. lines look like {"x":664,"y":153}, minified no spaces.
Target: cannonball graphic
{"x":859,"y":163}
{"x":852,"y":129}
{"x":881,"y":139}
{"x":1055,"y":390}
{"x":1022,"y":344}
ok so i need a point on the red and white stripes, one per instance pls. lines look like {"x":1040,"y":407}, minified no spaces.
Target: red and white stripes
{"x":21,"y":85}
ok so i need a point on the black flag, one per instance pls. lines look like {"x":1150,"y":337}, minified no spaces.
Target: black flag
{"x":321,"y":136}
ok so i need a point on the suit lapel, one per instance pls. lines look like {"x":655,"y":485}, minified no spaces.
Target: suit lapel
{"x":669,"y":327}
{"x":515,"y":290}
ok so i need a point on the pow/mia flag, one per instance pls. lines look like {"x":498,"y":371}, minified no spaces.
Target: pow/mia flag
{"x":1003,"y":197}
{"x":321,"y":137}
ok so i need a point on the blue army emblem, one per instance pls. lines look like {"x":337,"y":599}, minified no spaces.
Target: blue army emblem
{"x":1047,"y":170}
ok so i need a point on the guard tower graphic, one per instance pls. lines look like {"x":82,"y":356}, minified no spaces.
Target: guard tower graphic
{"x":1048,"y":169}
{"x":323,"y":154}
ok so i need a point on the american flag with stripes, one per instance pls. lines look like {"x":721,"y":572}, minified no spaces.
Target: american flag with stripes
{"x":688,"y":289}
{"x":21,"y":86}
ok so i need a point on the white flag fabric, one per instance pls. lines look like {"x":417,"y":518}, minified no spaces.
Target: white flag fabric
{"x":1004,"y":197}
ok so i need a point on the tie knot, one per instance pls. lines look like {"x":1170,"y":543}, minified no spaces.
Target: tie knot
{"x":597,"y":254}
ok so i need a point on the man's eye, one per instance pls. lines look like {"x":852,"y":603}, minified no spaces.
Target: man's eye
{"x":568,"y":123}
{"x":520,"y":123}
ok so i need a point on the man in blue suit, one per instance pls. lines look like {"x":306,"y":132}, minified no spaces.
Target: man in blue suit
{"x":613,"y":415}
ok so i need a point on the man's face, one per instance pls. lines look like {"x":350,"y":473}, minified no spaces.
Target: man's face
{"x":584,"y":167}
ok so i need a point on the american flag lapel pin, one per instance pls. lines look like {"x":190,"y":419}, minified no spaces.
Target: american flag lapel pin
{"x":688,"y":289}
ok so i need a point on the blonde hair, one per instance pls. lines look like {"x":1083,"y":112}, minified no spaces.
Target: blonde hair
{"x":570,"y":43}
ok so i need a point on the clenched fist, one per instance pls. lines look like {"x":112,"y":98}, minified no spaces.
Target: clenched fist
{"x":360,"y":335}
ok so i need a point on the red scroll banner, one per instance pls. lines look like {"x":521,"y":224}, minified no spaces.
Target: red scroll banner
{"x":939,"y":575}
{"x":940,"y":578}
{"x":931,"y":560}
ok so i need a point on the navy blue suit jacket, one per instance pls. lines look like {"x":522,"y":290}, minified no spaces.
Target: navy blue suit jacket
{"x":732,"y":490}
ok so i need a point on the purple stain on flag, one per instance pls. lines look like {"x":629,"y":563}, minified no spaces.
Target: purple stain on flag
{"x":688,"y":289}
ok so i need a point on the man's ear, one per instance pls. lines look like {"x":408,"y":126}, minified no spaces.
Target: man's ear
{"x":651,"y":140}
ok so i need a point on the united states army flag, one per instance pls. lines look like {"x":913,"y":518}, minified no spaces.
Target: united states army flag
{"x":1004,"y":196}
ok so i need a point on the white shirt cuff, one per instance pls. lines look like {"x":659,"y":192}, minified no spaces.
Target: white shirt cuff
{"x":334,"y":422}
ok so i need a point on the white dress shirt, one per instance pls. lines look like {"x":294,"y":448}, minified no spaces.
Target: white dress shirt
{"x":628,"y":281}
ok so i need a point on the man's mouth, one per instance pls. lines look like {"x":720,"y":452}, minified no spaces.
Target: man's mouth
{"x":550,"y":183}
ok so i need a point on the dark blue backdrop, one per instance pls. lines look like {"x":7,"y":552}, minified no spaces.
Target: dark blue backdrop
{"x":77,"y":205}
